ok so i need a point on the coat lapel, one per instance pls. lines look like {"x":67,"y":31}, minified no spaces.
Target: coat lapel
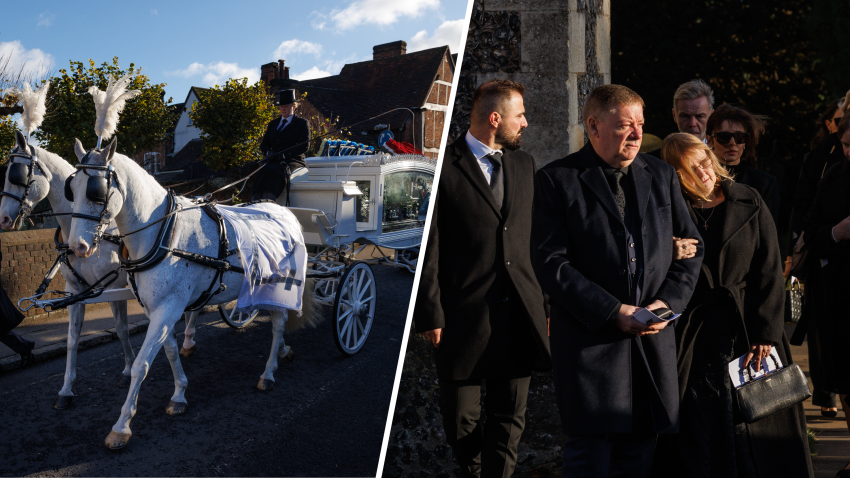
{"x":594,"y":179}
{"x":469,"y":165}
{"x":511,"y":176}
{"x":643,"y":185}
{"x":738,"y":213}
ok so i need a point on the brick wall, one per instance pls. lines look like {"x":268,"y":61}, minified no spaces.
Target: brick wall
{"x":27,"y":256}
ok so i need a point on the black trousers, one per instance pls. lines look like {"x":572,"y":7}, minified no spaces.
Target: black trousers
{"x":616,"y":455}
{"x":488,"y":449}
{"x":18,"y":344}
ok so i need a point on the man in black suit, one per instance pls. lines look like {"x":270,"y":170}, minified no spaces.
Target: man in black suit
{"x":693,"y":103}
{"x":601,"y":249}
{"x":285,"y":144}
{"x":478,"y":301}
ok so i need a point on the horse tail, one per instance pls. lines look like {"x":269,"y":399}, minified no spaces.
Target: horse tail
{"x":311,"y":310}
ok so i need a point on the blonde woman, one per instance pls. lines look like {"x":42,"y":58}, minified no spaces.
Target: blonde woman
{"x":736,"y":309}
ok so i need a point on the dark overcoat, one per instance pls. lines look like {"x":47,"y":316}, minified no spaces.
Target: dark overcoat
{"x":831,"y":206}
{"x":763,"y":182}
{"x":293,"y":142}
{"x":750,"y":280}
{"x":472,"y":246}
{"x":579,"y":254}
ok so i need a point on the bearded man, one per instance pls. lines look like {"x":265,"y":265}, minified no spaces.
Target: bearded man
{"x":478,"y":301}
{"x":601,"y":249}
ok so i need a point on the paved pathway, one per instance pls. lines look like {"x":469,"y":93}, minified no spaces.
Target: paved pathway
{"x":833,"y":446}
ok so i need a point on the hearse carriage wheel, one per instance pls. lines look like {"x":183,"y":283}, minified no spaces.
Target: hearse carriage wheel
{"x":354,"y":308}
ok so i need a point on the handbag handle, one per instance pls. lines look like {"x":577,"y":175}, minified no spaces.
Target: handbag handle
{"x":748,"y":377}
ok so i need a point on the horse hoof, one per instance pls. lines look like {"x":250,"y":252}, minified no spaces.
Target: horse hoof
{"x":117,"y":441}
{"x":176,"y":408}
{"x":265,"y":385}
{"x":289,"y":356}
{"x":186,"y":353}
{"x":63,"y":402}
{"x":124,"y":380}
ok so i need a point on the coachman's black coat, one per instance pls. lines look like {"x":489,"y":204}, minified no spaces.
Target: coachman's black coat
{"x":475,"y":254}
{"x":751,"y":283}
{"x":579,"y":254}
{"x":831,"y":206}
{"x":293,"y":142}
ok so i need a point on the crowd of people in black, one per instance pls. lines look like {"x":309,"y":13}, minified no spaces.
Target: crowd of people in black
{"x":559,"y":280}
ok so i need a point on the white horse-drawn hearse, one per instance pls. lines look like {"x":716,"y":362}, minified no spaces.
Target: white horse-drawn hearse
{"x":127,"y":238}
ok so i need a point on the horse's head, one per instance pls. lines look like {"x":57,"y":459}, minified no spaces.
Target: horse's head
{"x":26,"y":184}
{"x":97,"y":194}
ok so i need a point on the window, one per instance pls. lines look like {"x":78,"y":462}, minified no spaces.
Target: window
{"x":406,"y":196}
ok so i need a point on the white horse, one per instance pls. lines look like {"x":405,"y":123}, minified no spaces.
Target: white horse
{"x":48,"y":181}
{"x":135,"y":200}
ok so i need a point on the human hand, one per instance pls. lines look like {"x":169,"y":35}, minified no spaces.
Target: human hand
{"x":787,"y":272}
{"x":657,"y":327}
{"x":841,"y":231}
{"x":758,"y":351}
{"x":684,"y":248}
{"x":627,"y":323}
{"x":434,"y":336}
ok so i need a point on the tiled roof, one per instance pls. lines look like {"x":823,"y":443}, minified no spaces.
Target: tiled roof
{"x":368,"y":88}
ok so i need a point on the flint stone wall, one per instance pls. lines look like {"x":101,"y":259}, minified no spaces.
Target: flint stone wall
{"x":559,"y":49}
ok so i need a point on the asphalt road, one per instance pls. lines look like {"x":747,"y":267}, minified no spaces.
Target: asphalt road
{"x":325,"y":417}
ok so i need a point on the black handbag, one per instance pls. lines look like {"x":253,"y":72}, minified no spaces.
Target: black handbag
{"x":793,"y":302}
{"x":772,"y":393}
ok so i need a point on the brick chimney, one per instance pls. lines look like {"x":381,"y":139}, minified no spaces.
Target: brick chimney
{"x":268,"y":72}
{"x":389,"y":50}
{"x":283,"y":71}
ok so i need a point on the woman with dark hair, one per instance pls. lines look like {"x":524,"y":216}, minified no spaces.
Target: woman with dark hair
{"x":733,"y":134}
{"x":828,"y":122}
{"x":736,"y":309}
{"x":826,"y":230}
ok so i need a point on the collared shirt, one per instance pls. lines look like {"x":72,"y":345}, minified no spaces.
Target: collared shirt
{"x":481,"y":151}
{"x":288,"y":120}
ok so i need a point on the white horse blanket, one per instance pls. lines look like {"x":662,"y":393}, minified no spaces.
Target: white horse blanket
{"x":273,"y":254}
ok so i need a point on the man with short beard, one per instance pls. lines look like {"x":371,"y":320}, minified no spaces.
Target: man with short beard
{"x":478,"y":302}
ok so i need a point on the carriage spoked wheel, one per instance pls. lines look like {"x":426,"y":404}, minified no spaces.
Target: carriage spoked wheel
{"x":237,"y":320}
{"x":354,"y":308}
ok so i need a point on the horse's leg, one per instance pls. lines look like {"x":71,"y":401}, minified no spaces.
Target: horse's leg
{"x":285,"y":351}
{"x":122,"y":328}
{"x":76,"y":315}
{"x":188,"y":348}
{"x":158,"y":330}
{"x":178,"y":403}
{"x":278,"y":324}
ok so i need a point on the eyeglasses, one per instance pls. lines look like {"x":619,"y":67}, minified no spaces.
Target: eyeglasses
{"x":725,"y":137}
{"x":705,"y":165}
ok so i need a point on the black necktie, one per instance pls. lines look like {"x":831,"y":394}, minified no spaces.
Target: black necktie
{"x":617,"y":189}
{"x":497,"y":183}
{"x":283,"y":122}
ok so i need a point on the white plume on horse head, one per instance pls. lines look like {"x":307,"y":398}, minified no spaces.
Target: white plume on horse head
{"x":110,"y":103}
{"x":33,"y":103}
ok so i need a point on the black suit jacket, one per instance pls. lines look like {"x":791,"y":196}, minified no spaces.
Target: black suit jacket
{"x":474,"y":253}
{"x":286,"y":140}
{"x":579,"y":254}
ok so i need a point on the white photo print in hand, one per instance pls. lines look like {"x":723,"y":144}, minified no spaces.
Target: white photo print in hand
{"x":739,"y":376}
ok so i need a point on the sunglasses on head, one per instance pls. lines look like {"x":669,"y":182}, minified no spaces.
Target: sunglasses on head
{"x":725,"y":137}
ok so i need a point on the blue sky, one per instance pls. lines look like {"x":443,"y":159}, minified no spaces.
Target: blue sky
{"x":194,"y":43}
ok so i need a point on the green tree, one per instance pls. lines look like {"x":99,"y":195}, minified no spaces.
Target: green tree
{"x":7,"y":135}
{"x":827,"y":26}
{"x":232,"y":119}
{"x":71,"y":114}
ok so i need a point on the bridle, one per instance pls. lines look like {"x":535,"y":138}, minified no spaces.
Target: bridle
{"x":20,"y":174}
{"x":98,"y":190}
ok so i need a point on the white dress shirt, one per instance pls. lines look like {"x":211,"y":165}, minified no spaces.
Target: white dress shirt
{"x":288,"y":120}
{"x":481,"y":151}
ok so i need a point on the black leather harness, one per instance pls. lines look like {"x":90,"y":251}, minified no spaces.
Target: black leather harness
{"x":20,"y":174}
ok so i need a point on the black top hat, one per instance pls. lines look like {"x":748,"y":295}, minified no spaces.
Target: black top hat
{"x":285,"y":97}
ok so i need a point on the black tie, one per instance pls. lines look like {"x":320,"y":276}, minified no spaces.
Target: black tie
{"x":283,"y":122}
{"x":617,"y":189}
{"x":497,"y":182}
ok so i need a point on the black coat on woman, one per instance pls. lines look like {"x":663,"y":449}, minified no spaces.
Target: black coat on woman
{"x":748,"y":290}
{"x":831,"y":206}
